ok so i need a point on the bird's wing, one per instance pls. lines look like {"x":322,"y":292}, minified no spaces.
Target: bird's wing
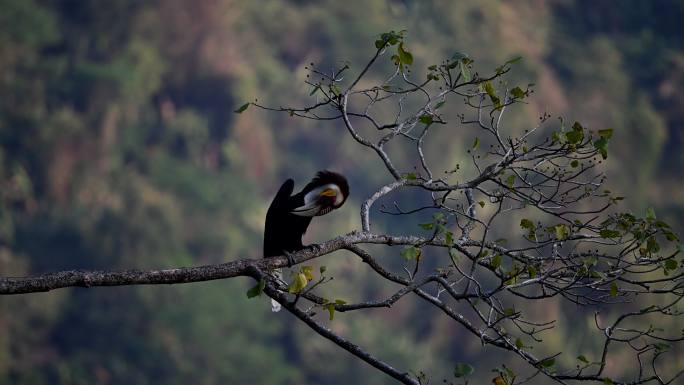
{"x":282,"y":198}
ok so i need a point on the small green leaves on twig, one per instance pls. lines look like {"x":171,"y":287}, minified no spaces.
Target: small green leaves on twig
{"x":403,"y":57}
{"x":330,"y":306}
{"x":410,"y":176}
{"x":476,"y":143}
{"x":507,"y":65}
{"x":257,"y":289}
{"x":488,"y":88}
{"x":391,"y":38}
{"x":463,"y":370}
{"x":547,"y":363}
{"x":411,"y":252}
{"x":302,"y":278}
{"x":529,"y":225}
{"x":463,"y":62}
{"x":242,"y":108}
{"x":614,"y":289}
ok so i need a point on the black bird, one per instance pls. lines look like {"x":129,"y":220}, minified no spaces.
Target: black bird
{"x":289,"y":215}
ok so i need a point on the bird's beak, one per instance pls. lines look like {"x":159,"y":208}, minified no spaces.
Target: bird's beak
{"x":328,"y":193}
{"x":308,"y":210}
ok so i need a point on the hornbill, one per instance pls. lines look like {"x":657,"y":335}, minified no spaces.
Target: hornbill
{"x":289,"y":215}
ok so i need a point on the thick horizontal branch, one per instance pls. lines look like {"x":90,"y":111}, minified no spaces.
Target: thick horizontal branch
{"x":241,"y":267}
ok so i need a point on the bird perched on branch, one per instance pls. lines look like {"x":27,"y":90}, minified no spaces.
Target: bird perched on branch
{"x":289,"y":215}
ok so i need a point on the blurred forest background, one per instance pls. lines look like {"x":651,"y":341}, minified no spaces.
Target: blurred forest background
{"x":119,"y":149}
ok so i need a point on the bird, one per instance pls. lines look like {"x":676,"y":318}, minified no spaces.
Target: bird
{"x":288,"y":217}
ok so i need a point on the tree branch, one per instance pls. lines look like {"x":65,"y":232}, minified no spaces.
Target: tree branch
{"x":241,"y":267}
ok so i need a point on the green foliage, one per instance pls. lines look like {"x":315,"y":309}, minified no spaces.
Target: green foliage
{"x":257,"y":289}
{"x":330,"y":307}
{"x":488,"y":88}
{"x":547,"y":363}
{"x":463,"y":370}
{"x":243,"y":107}
{"x":300,"y":280}
{"x":411,"y":252}
{"x":405,"y":57}
{"x":496,"y":261}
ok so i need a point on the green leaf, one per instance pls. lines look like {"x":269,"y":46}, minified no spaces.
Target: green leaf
{"x":547,"y":363}
{"x":602,"y":146}
{"x":496,"y":261}
{"x":481,"y":203}
{"x":462,"y":370}
{"x":465,"y":71}
{"x":532,"y":271}
{"x":257,"y":289}
{"x":308,"y":273}
{"x":340,"y":302}
{"x":502,"y":67}
{"x":426,"y":226}
{"x":582,"y":358}
{"x":662,"y":225}
{"x":660,"y":346}
{"x":449,"y":238}
{"x":613,"y":289}
{"x":527,"y":224}
{"x":509,"y":312}
{"x":510,"y":181}
{"x":652,"y":245}
{"x":650,"y":214}
{"x":574,"y":137}
{"x":574,"y":163}
{"x":562,"y":231}
{"x":411,"y":176}
{"x":458,"y":56}
{"x":476,"y":143}
{"x":518,"y":343}
{"x":671,"y":264}
{"x":330,"y":307}
{"x":410,"y":252}
{"x":298,"y":284}
{"x":518,"y":93}
{"x":242,"y":108}
{"x":608,"y":381}
{"x":404,"y":56}
{"x":489,"y":89}
{"x":607,"y":133}
{"x":425,"y":119}
{"x":670,"y":236}
{"x":322,"y":269}
{"x":607,"y":233}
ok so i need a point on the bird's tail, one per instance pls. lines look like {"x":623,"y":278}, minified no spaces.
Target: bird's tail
{"x":275,"y":306}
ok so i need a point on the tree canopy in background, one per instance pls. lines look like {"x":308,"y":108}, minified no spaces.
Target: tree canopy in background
{"x":119,"y":149}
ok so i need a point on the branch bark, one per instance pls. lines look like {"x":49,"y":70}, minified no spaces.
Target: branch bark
{"x":240,"y":267}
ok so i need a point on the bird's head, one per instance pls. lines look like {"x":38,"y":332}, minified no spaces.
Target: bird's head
{"x":326,"y":192}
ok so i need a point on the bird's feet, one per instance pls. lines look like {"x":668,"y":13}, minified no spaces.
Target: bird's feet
{"x":314,"y":247}
{"x":290,"y":258}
